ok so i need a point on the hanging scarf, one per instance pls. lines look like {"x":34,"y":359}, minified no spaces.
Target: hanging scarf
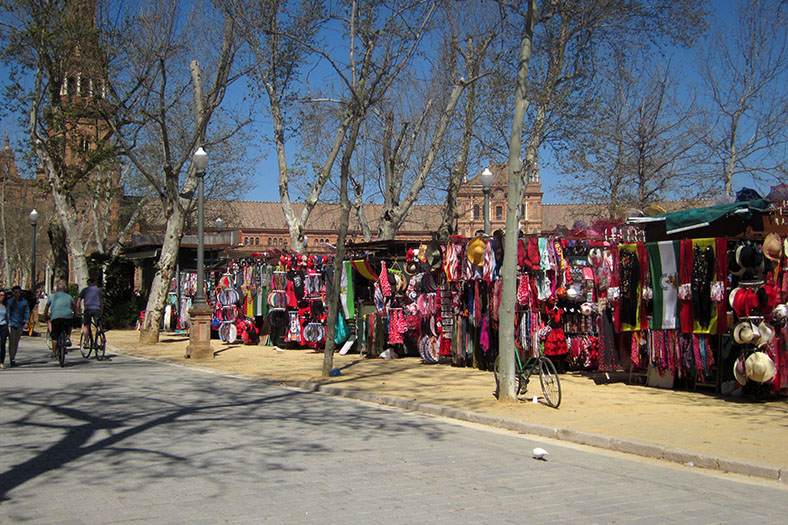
{"x":385,"y":286}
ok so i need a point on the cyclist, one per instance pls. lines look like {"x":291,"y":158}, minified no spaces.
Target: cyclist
{"x":91,"y":302}
{"x":63,"y":310}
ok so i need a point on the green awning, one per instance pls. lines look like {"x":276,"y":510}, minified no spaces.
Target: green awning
{"x":679,"y":221}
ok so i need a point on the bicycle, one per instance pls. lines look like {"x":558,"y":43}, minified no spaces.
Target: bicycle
{"x":62,"y":343}
{"x":93,"y":343}
{"x":548,"y":377}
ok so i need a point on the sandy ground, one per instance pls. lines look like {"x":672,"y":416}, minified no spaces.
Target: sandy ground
{"x":721,"y":426}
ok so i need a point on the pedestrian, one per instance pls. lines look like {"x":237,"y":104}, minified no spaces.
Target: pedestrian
{"x":18,"y":315}
{"x":63,"y":308}
{"x":3,"y":326}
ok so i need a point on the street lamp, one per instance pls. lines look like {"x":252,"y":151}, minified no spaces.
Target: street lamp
{"x":200,"y":162}
{"x":486,"y":178}
{"x":34,"y":221}
{"x":218,"y":223}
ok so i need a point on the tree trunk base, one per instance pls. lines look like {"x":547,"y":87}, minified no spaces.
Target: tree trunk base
{"x":149,"y":337}
{"x":200,"y":333}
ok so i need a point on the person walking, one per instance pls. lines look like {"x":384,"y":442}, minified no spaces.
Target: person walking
{"x":63,"y":308}
{"x":3,"y":326}
{"x":91,"y":303}
{"x":18,"y":315}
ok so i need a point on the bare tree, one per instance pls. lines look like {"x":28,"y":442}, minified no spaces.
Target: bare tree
{"x":57,"y":71}
{"x":744,"y":69}
{"x":156,"y":125}
{"x":569,"y":40}
{"x":641,"y":147}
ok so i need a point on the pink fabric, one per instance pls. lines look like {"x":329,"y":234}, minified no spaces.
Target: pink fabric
{"x":523,"y":291}
{"x":484,"y":337}
{"x":488,"y":264}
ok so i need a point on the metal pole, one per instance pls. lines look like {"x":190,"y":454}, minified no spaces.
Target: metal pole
{"x":199,"y":297}
{"x":486,"y":210}
{"x":33,"y":274}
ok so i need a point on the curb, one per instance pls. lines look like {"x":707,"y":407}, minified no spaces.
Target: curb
{"x":689,"y":458}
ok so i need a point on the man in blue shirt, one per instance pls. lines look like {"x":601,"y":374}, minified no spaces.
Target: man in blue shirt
{"x":63,"y":309}
{"x":18,"y":316}
{"x":91,"y":302}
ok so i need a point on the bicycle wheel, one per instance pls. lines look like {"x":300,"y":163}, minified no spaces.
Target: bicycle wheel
{"x":100,"y":344}
{"x":61,"y":348}
{"x":85,"y":343}
{"x":48,"y":340}
{"x":551,"y":385}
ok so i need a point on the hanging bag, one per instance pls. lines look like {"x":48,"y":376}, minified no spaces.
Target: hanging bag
{"x":341,"y":329}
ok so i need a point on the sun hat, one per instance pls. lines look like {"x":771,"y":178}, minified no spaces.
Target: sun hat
{"x":760,"y":368}
{"x":475,"y":250}
{"x":766,"y":334}
{"x":772,"y":247}
{"x":744,"y":333}
{"x":402,"y":283}
{"x":742,"y":300}
{"x":739,"y":371}
{"x":434,"y":256}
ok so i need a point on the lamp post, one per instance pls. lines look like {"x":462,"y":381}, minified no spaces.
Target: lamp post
{"x":200,"y":313}
{"x":200,"y":162}
{"x":219,"y":223}
{"x":34,"y":221}
{"x":486,"y":178}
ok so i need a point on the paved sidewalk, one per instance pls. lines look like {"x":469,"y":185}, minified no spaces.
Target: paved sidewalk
{"x":726,"y":434}
{"x":137,"y":441}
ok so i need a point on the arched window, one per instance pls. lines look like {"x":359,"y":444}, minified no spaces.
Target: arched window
{"x":269,"y":241}
{"x":257,"y":241}
{"x":246,"y":241}
{"x":498,"y":213}
{"x":476,"y":212}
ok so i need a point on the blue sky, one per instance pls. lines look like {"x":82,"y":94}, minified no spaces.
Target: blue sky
{"x":263,"y":185}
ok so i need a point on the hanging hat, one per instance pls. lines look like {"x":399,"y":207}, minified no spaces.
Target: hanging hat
{"x":401,"y":283}
{"x":734,"y":267}
{"x":742,"y":300}
{"x":767,"y":296}
{"x":475,"y":251}
{"x":767,"y":334}
{"x":433,"y":256}
{"x":744,"y":333}
{"x":760,"y":368}
{"x":772,"y":247}
{"x":739,"y":371}
{"x":411,"y":267}
{"x":749,"y":255}
{"x":780,"y":312}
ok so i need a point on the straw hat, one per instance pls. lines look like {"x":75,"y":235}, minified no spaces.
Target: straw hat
{"x":739,"y":371}
{"x":767,"y":335}
{"x":475,"y":251}
{"x":772,"y":247}
{"x":780,"y":312}
{"x":744,"y":333}
{"x":759,"y":367}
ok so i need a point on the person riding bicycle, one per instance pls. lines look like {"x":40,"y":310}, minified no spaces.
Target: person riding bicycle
{"x":91,"y":302}
{"x":63,"y":309}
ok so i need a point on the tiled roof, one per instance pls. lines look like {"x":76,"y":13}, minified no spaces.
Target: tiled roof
{"x":252,"y":215}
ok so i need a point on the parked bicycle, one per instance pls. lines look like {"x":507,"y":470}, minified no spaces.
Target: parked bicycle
{"x":548,"y":377}
{"x":95,"y":342}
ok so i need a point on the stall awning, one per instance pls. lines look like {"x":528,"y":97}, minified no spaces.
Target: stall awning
{"x":145,"y":254}
{"x":679,"y":221}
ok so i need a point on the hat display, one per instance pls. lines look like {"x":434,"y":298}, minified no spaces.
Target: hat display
{"x":411,"y":268}
{"x":759,"y":367}
{"x":739,"y":371}
{"x":772,"y":247}
{"x":734,"y":267}
{"x":433,"y":255}
{"x":745,"y":333}
{"x":475,"y":251}
{"x":401,"y":283}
